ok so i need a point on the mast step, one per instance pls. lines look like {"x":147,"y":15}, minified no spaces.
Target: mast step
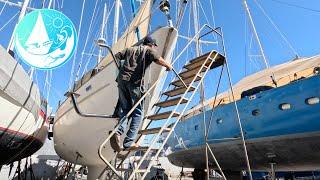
{"x":187,"y":80}
{"x":164,"y":115}
{"x":171,"y":102}
{"x":178,"y":91}
{"x":153,"y":131}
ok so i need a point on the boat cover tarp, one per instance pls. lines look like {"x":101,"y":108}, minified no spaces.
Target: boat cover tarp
{"x":264,"y":77}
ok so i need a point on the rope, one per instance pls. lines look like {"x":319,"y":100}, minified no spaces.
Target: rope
{"x":76,"y":50}
{"x":87,"y":38}
{"x":277,"y":28}
{"x":8,"y":21}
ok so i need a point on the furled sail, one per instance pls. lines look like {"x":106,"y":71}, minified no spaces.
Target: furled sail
{"x":129,"y":37}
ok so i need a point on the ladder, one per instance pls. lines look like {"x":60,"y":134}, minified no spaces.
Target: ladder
{"x":177,"y":100}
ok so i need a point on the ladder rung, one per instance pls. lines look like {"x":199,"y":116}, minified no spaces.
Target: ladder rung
{"x":164,"y":115}
{"x":153,"y":131}
{"x":218,"y":61}
{"x":186,"y":80}
{"x":198,"y":63}
{"x":192,"y":72}
{"x":130,"y":170}
{"x":178,"y":91}
{"x":171,"y":102}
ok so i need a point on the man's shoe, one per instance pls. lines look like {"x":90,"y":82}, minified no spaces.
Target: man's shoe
{"x":133,"y":147}
{"x":115,"y":142}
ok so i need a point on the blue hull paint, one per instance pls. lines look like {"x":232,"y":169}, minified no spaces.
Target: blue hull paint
{"x":292,"y":135}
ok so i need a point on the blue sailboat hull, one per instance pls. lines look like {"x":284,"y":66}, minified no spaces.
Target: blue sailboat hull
{"x":290,"y":138}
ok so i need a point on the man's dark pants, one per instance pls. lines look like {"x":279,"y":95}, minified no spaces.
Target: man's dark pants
{"x":129,"y":95}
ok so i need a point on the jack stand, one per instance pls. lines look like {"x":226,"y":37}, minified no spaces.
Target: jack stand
{"x":181,"y":175}
{"x":272,"y":173}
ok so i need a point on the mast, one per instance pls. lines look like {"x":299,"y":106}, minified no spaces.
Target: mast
{"x":116,"y":21}
{"x":22,"y":13}
{"x":196,"y":25}
{"x":246,"y":7}
{"x":101,"y":39}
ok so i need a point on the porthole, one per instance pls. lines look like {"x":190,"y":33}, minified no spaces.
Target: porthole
{"x":219,"y":121}
{"x":252,"y":97}
{"x":285,"y":106}
{"x":255,"y":112}
{"x":312,"y":100}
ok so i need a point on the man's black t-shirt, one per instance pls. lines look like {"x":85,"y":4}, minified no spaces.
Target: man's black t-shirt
{"x":136,"y":60}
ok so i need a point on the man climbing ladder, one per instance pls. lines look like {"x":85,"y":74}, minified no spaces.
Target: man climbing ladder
{"x":130,"y":85}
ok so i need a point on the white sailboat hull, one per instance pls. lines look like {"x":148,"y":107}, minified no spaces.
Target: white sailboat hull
{"x":22,"y":130}
{"x":77,"y":139}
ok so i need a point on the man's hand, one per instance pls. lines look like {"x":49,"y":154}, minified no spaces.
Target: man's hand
{"x":162,"y":62}
{"x":169,"y":67}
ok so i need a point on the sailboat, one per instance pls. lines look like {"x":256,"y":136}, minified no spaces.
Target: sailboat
{"x":76,"y":138}
{"x":280,"y":123}
{"x":35,"y":47}
{"x":278,"y":112}
{"x":23,"y":126}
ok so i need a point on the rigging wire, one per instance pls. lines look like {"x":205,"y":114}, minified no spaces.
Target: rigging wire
{"x":180,"y":14}
{"x":9,"y":21}
{"x":277,"y":28}
{"x":245,"y":46}
{"x":76,"y":50}
{"x":296,"y":6}
{"x":86,"y":41}
{"x":123,"y":17}
{"x":92,"y":49}
{"x":212,"y":14}
{"x":206,"y":17}
{"x":96,"y":36}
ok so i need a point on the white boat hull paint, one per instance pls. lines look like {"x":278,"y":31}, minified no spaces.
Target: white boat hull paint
{"x":77,"y":138}
{"x":22,"y":130}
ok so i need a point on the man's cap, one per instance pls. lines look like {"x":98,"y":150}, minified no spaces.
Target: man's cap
{"x":149,"y":40}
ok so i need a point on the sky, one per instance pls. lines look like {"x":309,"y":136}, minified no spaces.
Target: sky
{"x":297,"y":20}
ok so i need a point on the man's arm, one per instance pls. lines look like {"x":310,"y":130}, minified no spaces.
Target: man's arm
{"x":162,"y":62}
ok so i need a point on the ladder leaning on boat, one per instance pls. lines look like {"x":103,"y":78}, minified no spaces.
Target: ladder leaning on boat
{"x":188,"y":81}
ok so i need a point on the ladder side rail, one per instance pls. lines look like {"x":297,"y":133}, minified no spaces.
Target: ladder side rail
{"x":102,"y":146}
{"x":174,"y":110}
{"x":113,"y":132}
{"x":185,"y":48}
{"x":216,"y":31}
{"x":181,"y":114}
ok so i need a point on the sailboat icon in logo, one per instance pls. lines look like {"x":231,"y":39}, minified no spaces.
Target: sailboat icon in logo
{"x":38,"y":42}
{"x":45,"y":39}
